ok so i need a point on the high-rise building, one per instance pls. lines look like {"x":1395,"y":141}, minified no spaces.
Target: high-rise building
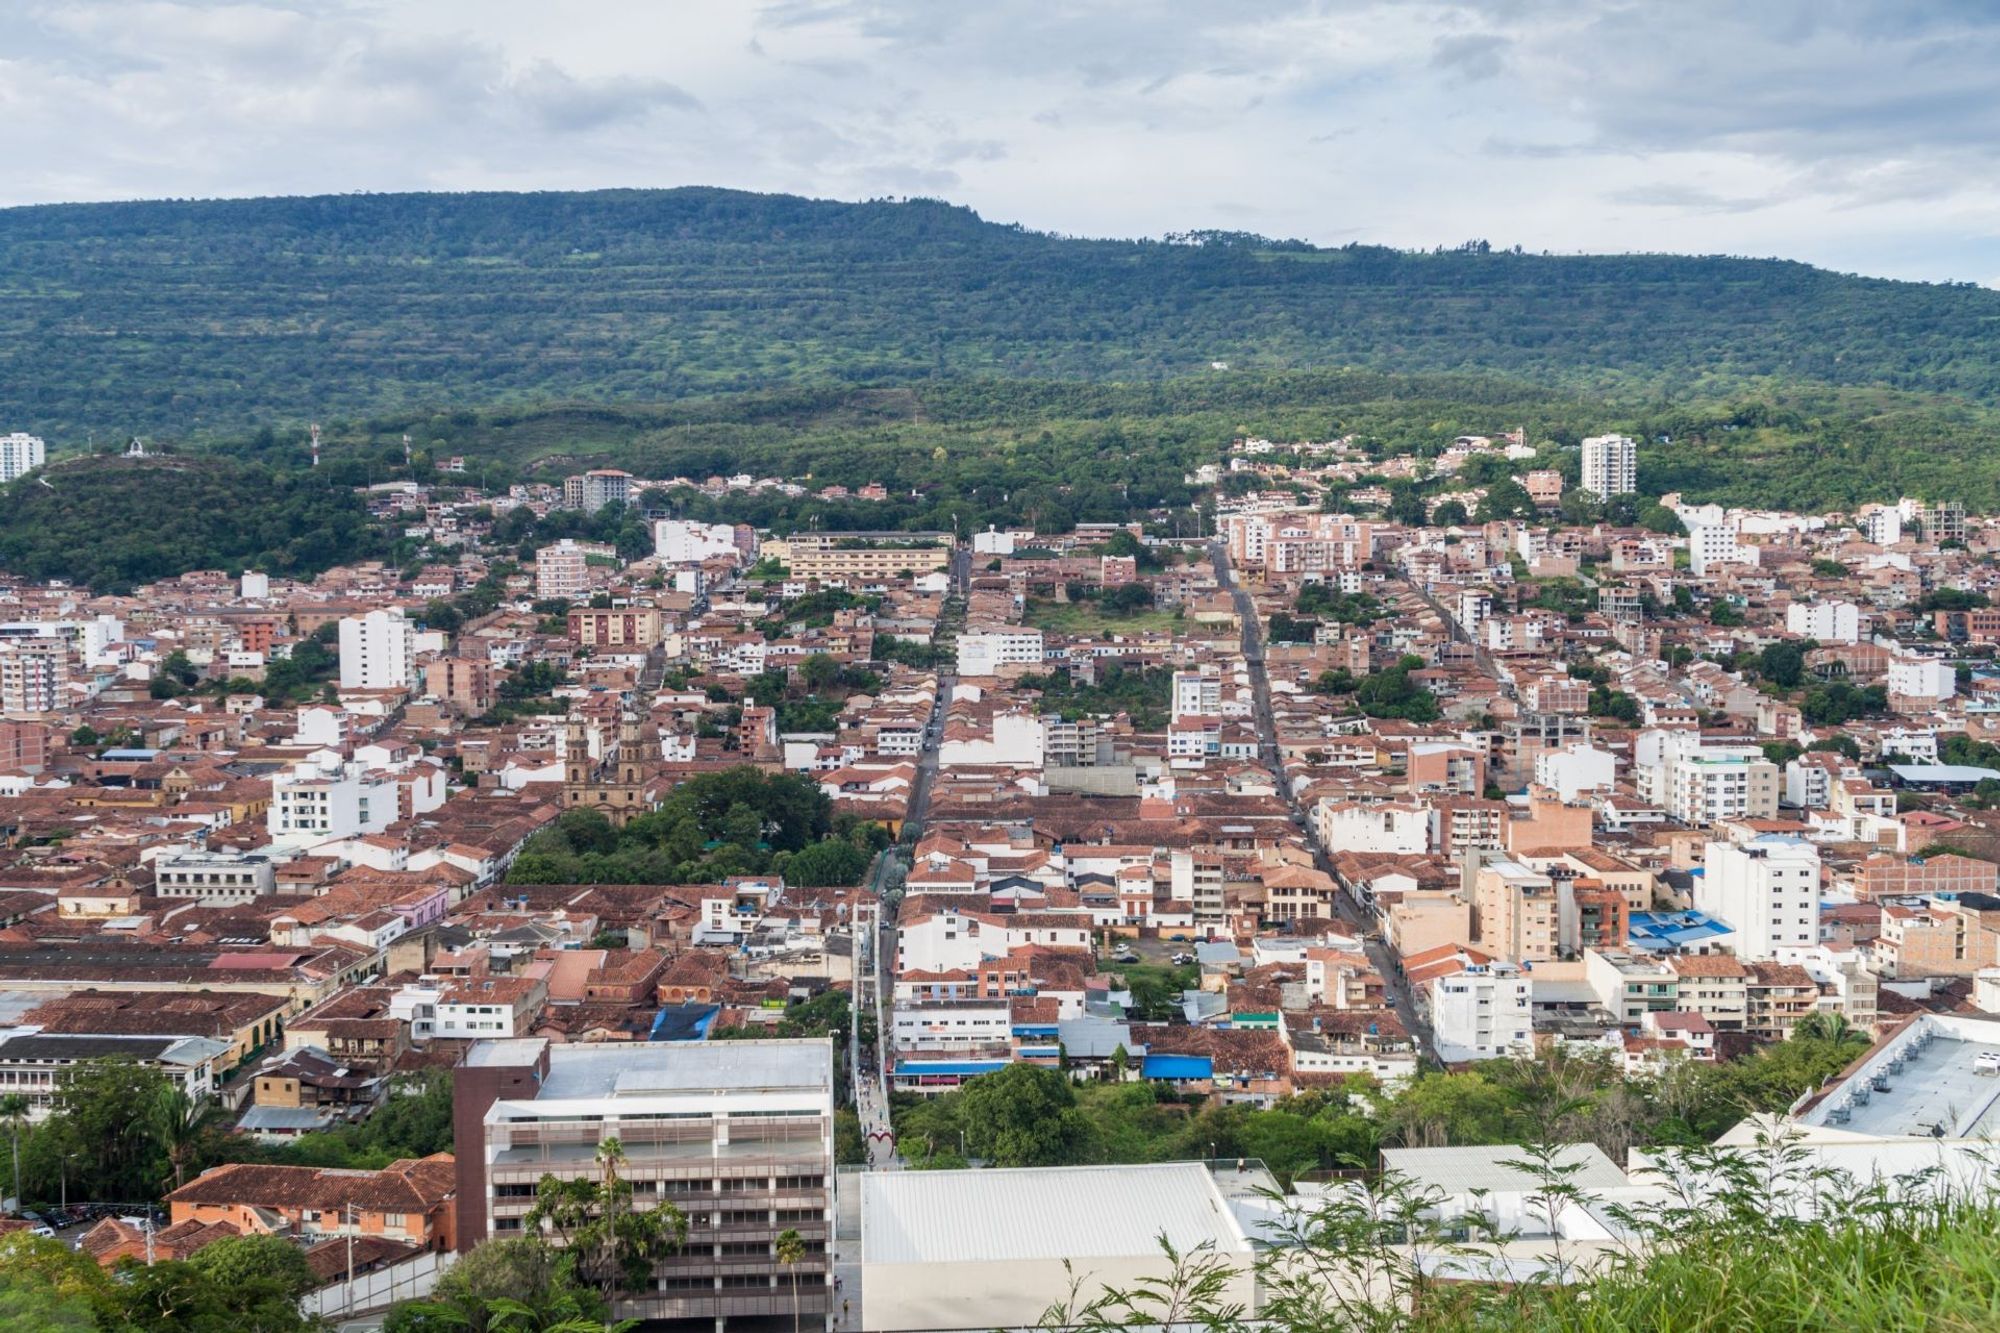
{"x":1767,"y":889}
{"x":1610,"y":465}
{"x":1197,"y":693}
{"x":20,"y":452}
{"x":738,"y":1135}
{"x":33,"y":673}
{"x":591,"y":491}
{"x":562,"y":570}
{"x":378,"y":651}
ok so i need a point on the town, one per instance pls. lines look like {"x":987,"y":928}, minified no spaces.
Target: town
{"x":1119,"y":893}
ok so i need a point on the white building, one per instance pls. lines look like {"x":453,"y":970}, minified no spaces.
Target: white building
{"x":325,"y":802}
{"x":1483,"y":1012}
{"x":1883,"y":527}
{"x":1929,"y":680}
{"x":1610,"y":465}
{"x":1767,"y":889}
{"x":1701,"y":784}
{"x":1346,"y":826}
{"x":35,"y":1063}
{"x":1715,"y":538}
{"x":738,"y":1134}
{"x":951,"y":1027}
{"x":992,"y":542}
{"x":985,"y":1249}
{"x":378,"y":651}
{"x":682,"y":541}
{"x":1197,"y":694}
{"x":20,"y":453}
{"x":1575,"y":769}
{"x":1829,"y":622}
{"x":214,"y":877}
{"x":985,"y":652}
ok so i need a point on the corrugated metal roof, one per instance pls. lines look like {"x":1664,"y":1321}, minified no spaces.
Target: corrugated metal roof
{"x":1000,"y":1216}
{"x":1458,"y":1170}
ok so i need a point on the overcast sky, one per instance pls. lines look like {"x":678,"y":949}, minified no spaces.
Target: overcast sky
{"x":1859,"y":134}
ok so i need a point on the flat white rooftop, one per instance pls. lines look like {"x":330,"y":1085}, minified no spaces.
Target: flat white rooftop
{"x":1078,"y":1212}
{"x":624,"y":1069}
{"x":1458,"y":1170}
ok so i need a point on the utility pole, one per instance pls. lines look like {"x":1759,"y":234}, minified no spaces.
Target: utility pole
{"x":348,"y":1213}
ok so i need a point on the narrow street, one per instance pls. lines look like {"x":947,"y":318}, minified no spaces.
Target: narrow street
{"x":1361,"y":921}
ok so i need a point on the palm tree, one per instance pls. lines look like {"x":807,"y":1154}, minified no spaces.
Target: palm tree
{"x":791,"y":1252}
{"x":1834,"y":1029}
{"x":14,"y":1110}
{"x":179,"y":1124}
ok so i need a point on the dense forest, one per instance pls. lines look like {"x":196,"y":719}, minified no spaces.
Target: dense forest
{"x":200,"y":317}
{"x":112,"y":523}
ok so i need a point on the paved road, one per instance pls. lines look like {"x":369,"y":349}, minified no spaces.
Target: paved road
{"x":1359,"y":919}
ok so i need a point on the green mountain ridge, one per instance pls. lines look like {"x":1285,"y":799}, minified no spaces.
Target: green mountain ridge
{"x":207,"y":318}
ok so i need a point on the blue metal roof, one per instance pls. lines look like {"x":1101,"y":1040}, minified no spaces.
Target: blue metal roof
{"x":1178,"y":1067}
{"x":961,"y":1068}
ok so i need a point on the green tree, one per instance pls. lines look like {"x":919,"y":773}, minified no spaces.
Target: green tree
{"x":615,"y":1243}
{"x":512,"y":1284}
{"x":790,"y":1250}
{"x":1024,"y":1115}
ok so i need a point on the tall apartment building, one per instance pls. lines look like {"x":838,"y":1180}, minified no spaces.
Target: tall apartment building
{"x":378,"y":651}
{"x":593,"y":490}
{"x":1481,"y":1011}
{"x":1518,"y":913}
{"x":1768,"y":889}
{"x":1197,"y":694}
{"x":462,"y":682}
{"x":563,"y":569}
{"x":20,"y":453}
{"x":1610,"y":465}
{"x":1701,"y":784}
{"x":33,"y":674}
{"x":738,"y":1135}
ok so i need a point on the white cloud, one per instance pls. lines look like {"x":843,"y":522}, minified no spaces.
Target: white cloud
{"x":1862,"y":135}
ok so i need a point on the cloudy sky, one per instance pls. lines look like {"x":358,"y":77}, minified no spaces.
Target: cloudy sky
{"x":1859,"y":134}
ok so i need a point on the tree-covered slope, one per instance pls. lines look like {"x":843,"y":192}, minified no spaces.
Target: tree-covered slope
{"x":210,"y":316}
{"x":115,"y":522}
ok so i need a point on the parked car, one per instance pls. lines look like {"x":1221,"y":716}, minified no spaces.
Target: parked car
{"x":1183,"y":959}
{"x":1127,"y":957}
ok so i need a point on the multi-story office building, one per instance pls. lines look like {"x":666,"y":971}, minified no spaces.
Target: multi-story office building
{"x":738,"y":1135}
{"x":1610,"y":465}
{"x":20,"y":453}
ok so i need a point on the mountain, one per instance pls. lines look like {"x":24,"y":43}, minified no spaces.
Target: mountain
{"x":211,"y":317}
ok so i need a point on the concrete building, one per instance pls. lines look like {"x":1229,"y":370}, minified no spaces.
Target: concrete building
{"x":562,"y":570}
{"x":1767,"y":889}
{"x":1482,"y":1011}
{"x":1517,"y":911}
{"x":866,"y":557}
{"x":378,"y":651}
{"x":34,"y":675}
{"x":593,"y":490}
{"x":630,"y":627}
{"x":33,"y":1062}
{"x":978,"y":1250}
{"x":1197,"y":694}
{"x":214,"y":878}
{"x":1919,"y":684}
{"x":1576,"y":769}
{"x":681,"y":541}
{"x":20,"y":453}
{"x":985,"y":652}
{"x":738,"y":1135}
{"x":1610,"y":465}
{"x":1701,"y":784}
{"x":317,"y":803}
{"x":1829,"y":622}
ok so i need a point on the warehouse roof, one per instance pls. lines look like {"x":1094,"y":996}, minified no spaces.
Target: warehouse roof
{"x":1002,"y":1216}
{"x":1458,"y":1170}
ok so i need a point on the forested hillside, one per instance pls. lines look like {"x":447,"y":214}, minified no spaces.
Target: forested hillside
{"x":112,"y":523}
{"x":210,"y":317}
